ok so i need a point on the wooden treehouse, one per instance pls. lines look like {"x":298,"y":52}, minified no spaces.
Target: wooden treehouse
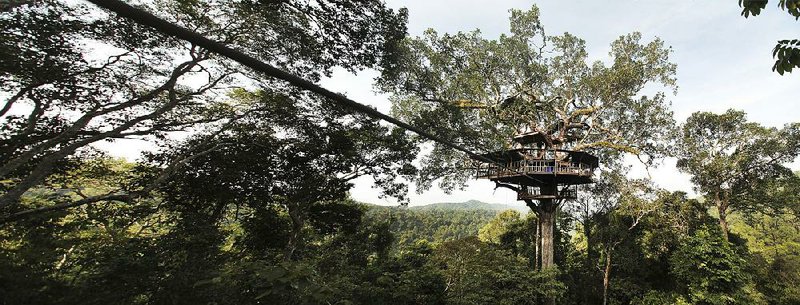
{"x":538,"y":172}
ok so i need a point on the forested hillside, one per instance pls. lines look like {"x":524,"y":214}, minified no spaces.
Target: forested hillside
{"x":435,"y":222}
{"x":244,"y":190}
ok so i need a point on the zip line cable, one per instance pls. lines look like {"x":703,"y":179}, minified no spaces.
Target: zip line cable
{"x":145,"y":18}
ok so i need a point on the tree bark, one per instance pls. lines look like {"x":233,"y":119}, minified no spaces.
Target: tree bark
{"x":723,"y":221}
{"x":547,"y":224}
{"x":606,"y":277}
{"x":722,"y":210}
{"x":538,"y":241}
{"x":547,"y":215}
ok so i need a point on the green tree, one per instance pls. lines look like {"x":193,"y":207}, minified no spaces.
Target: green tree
{"x":729,"y":159}
{"x":266,"y":200}
{"x":636,"y":199}
{"x":710,"y":268}
{"x":67,"y":91}
{"x":594,"y":201}
{"x":296,"y":157}
{"x":63,"y":257}
{"x":612,"y":215}
{"x":773,"y":239}
{"x":415,"y":224}
{"x":479,"y":273}
{"x":493,"y":231}
{"x":481,"y":92}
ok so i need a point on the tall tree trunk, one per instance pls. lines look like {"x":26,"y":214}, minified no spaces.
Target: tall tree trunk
{"x":537,"y":244}
{"x":547,"y":224}
{"x":723,"y":221}
{"x":547,"y":215}
{"x":587,"y":232}
{"x":537,"y":237}
{"x":722,"y":209}
{"x":606,"y":276}
{"x":589,"y":262}
{"x":297,"y":227}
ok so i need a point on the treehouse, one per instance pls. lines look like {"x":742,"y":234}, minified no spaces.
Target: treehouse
{"x":537,"y":171}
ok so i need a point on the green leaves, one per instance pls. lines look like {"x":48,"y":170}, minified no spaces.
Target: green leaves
{"x":710,"y":268}
{"x":479,"y":273}
{"x":787,"y":54}
{"x":790,"y":6}
{"x":752,"y":7}
{"x":493,"y":231}
{"x":731,"y":159}
{"x":289,"y":279}
{"x":76,"y":75}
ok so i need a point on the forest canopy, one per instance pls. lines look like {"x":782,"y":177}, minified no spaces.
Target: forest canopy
{"x":246,"y":197}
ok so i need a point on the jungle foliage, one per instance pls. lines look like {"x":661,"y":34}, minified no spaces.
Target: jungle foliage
{"x":244,"y":198}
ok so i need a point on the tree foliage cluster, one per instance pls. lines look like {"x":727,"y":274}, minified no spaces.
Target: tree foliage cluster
{"x":665,"y":249}
{"x":203,"y":241}
{"x":64,"y":93}
{"x":413,"y":225}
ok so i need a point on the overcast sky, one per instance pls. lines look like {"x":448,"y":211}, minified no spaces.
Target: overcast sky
{"x":724,"y":61}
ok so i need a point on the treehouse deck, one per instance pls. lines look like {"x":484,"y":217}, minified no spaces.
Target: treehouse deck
{"x":537,"y":167}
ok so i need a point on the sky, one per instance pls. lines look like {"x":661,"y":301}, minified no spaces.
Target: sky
{"x":724,"y":61}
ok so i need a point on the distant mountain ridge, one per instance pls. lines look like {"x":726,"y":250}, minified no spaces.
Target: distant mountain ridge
{"x":469,"y":205}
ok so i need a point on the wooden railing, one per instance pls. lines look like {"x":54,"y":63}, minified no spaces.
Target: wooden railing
{"x":532,"y":167}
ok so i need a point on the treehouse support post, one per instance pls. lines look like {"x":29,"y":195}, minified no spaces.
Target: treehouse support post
{"x":547,"y":214}
{"x":543,"y":177}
